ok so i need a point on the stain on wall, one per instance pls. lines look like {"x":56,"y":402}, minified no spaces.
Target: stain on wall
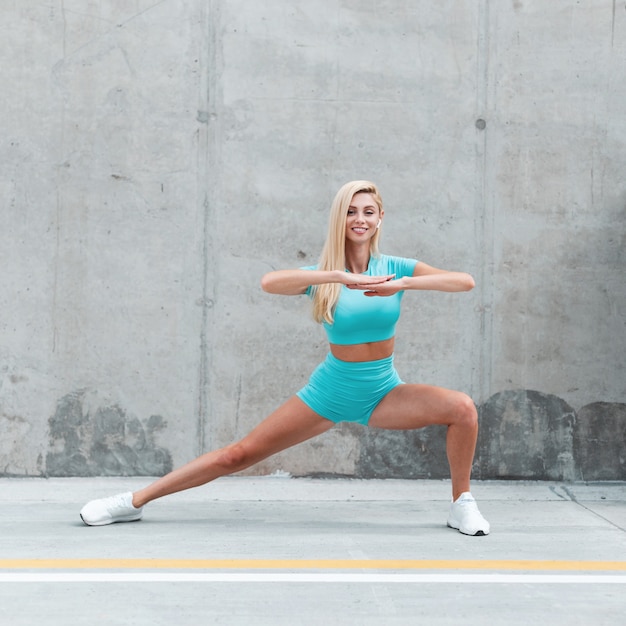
{"x":524,"y":434}
{"x":13,"y":430}
{"x":600,"y":441}
{"x":403,"y":454}
{"x":88,"y":440}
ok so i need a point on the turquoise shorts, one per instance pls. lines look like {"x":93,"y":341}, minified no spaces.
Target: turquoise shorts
{"x":343,"y":391}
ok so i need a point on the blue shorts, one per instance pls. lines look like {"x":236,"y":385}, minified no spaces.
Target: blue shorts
{"x":342,"y":391}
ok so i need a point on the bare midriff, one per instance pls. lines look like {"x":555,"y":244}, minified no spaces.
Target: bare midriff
{"x":360,"y":352}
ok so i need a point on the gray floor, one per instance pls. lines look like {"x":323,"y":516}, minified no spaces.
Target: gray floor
{"x":247,"y":551}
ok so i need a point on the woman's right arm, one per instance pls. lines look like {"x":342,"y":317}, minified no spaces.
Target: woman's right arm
{"x":296,"y":282}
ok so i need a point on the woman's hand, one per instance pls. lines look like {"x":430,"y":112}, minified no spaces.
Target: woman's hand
{"x":375,"y":285}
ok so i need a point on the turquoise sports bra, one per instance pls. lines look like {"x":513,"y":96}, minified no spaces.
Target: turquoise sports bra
{"x":363,"y":319}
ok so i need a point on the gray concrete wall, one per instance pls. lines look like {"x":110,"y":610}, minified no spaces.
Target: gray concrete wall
{"x":159,"y":157}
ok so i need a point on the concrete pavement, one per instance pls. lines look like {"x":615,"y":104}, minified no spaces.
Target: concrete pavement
{"x":277,"y":550}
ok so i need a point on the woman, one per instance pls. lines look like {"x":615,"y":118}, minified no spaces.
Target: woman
{"x":356,"y":295}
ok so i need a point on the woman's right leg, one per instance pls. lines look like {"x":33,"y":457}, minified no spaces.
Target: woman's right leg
{"x":292,"y":423}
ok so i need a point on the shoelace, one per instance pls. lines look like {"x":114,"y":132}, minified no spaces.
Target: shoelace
{"x":114,"y":502}
{"x":469,"y":507}
{"x":468,"y":503}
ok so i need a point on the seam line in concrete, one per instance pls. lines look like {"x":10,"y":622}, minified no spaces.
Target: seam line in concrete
{"x":322,"y":564}
{"x":314,"y":578}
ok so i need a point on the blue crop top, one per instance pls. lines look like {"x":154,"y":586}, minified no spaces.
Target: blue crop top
{"x":362,"y":319}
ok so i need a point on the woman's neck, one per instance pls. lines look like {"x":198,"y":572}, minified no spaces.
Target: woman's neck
{"x":357,"y":259}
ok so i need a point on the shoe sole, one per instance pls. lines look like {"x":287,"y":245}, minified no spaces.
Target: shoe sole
{"x":478,"y":533}
{"x":132,"y":519}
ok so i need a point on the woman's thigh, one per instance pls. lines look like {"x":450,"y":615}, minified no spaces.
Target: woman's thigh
{"x":414,"y":406}
{"x":290,"y":424}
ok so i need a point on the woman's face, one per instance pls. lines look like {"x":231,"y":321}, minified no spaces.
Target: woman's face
{"x":363,"y":218}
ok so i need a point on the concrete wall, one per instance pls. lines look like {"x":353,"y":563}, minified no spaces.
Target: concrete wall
{"x":159,"y":157}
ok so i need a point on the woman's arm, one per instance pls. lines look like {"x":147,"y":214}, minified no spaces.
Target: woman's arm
{"x":431,"y":278}
{"x":424,"y":277}
{"x":296,"y":282}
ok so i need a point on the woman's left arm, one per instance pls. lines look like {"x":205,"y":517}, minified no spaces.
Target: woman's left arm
{"x":427,"y":277}
{"x":424,"y":277}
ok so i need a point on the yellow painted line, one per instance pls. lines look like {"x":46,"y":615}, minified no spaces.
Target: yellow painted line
{"x":308,"y":564}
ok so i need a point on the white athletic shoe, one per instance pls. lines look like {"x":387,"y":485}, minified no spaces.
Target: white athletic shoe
{"x":466,"y":518}
{"x":117,"y":508}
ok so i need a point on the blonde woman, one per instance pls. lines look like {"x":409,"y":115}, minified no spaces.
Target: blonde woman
{"x":356,"y":294}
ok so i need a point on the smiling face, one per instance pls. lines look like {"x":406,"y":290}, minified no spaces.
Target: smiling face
{"x":362,"y":219}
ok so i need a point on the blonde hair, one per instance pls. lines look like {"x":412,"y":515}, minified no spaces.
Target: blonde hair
{"x":333,"y":255}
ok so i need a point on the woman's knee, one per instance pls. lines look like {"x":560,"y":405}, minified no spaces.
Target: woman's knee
{"x":234,"y":458}
{"x":465,"y":411}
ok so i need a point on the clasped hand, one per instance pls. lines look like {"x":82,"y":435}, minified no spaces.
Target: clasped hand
{"x":374,"y":285}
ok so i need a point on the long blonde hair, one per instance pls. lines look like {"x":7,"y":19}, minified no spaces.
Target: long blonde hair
{"x":333,"y":255}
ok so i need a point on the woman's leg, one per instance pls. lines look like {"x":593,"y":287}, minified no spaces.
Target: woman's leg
{"x":292,"y":423}
{"x":414,"y":406}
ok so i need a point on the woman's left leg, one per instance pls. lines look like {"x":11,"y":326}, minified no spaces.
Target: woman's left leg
{"x":408,"y":407}
{"x":415,"y":406}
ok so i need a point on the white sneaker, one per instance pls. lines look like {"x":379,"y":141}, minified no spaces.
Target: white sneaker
{"x":466,"y":518}
{"x":117,"y":508}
